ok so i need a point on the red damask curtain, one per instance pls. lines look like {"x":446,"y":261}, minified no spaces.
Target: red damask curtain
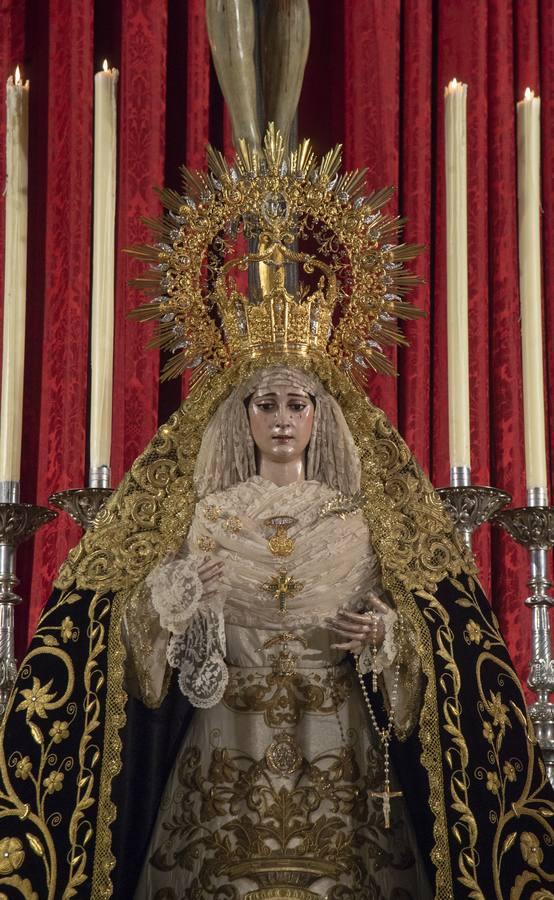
{"x":374,"y":82}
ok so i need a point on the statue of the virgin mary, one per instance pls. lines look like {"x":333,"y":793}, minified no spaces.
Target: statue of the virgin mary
{"x":268,"y":670}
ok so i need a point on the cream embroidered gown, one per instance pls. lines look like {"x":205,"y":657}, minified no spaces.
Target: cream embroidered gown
{"x":270,"y":795}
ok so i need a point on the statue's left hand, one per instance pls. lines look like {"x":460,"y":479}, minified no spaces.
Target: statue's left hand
{"x":359,"y":628}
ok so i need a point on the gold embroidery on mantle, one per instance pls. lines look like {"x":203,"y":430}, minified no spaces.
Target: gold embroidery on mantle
{"x":504,"y":776}
{"x":104,"y":860}
{"x":283,"y":698}
{"x":430,"y":743}
{"x":50,"y":714}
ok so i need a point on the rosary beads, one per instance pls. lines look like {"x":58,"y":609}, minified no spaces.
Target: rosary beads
{"x":385,"y":734}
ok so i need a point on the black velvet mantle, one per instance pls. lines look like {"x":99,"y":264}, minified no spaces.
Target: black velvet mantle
{"x":472,"y":773}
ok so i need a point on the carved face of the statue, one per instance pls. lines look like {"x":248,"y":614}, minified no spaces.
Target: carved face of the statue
{"x":281,"y":418}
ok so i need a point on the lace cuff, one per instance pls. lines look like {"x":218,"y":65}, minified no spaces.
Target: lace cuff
{"x":199,"y":654}
{"x":175,"y":588}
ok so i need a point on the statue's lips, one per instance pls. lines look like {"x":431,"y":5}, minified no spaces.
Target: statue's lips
{"x":282,"y":438}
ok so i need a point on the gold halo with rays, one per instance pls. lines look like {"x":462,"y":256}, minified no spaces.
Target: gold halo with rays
{"x":276,"y":251}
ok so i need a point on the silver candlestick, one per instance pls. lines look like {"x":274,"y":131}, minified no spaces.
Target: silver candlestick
{"x":84,"y":504}
{"x":18,"y":522}
{"x":470,"y":505}
{"x":533,"y":526}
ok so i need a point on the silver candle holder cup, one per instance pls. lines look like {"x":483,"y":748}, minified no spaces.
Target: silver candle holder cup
{"x":470,"y":505}
{"x":84,"y":504}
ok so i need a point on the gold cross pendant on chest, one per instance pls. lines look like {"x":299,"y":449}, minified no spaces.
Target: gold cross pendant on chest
{"x":283,"y":586}
{"x":386,"y":796}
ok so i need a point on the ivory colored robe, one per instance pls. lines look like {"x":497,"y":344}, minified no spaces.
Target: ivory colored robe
{"x":271,"y":793}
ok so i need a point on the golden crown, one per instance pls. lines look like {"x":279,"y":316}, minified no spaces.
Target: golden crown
{"x":277,"y":252}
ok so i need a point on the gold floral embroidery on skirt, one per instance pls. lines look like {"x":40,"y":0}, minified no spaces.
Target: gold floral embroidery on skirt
{"x":239,"y":822}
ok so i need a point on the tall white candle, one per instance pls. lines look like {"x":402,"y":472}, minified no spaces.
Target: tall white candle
{"x":528,"y":197}
{"x":103,"y":233}
{"x":15,"y":277}
{"x":456,"y":268}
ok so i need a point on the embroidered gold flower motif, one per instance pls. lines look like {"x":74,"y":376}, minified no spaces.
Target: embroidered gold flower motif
{"x":206,"y":544}
{"x":531,"y":849}
{"x":233,"y":524}
{"x":212,"y":513}
{"x":53,"y":782}
{"x":474,"y":632}
{"x":223,"y":767}
{"x":66,"y":629}
{"x":493,"y":782}
{"x":36,"y":699}
{"x":488,"y":733}
{"x":11,"y":855}
{"x":498,"y":711}
{"x":509,"y":771}
{"x":59,"y":731}
{"x":23,"y":768}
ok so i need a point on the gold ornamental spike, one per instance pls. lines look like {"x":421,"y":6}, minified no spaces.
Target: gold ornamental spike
{"x":302,"y":160}
{"x":330,"y":163}
{"x":274,"y":149}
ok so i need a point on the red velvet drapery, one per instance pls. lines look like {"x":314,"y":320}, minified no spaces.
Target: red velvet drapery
{"x":374,"y":82}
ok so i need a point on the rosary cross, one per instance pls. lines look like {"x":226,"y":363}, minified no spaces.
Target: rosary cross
{"x":386,"y":797}
{"x":283,"y":586}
